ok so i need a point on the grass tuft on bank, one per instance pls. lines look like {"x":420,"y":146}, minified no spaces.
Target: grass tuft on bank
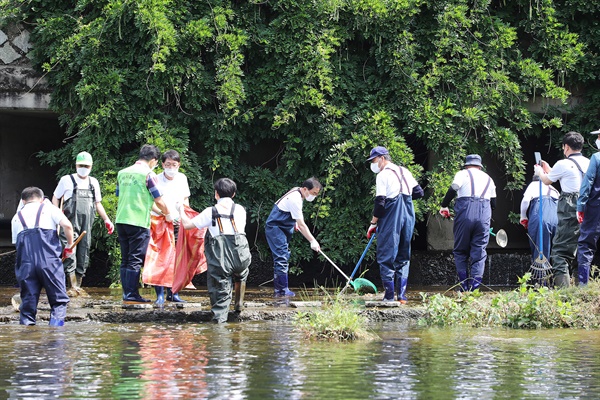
{"x":337,"y":320}
{"x":527,"y":307}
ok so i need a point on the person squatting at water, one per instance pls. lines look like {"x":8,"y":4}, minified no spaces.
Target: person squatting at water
{"x":80,"y":197}
{"x":226,"y":249}
{"x":137,"y":191}
{"x":476,"y":198}
{"x":569,"y":172}
{"x":393,"y":220}
{"x":175,"y":191}
{"x":588,"y":215}
{"x":530,"y":216}
{"x":285,"y":217}
{"x":38,"y":262}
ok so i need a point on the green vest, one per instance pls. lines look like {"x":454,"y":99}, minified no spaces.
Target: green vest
{"x":135,"y":200}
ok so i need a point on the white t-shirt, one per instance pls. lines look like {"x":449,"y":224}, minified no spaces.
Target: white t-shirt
{"x":566,"y":172}
{"x":462,"y":181}
{"x":174,"y":191}
{"x":533,"y":192}
{"x":204,"y":219}
{"x":49,"y":219}
{"x":292,"y":203}
{"x":65,"y":187}
{"x":388,"y":184}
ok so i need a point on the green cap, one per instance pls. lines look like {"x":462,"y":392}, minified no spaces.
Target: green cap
{"x":84,"y":158}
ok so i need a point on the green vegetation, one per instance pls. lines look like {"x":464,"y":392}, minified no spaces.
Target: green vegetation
{"x":269,"y":93}
{"x":527,"y":307}
{"x":338,"y":320}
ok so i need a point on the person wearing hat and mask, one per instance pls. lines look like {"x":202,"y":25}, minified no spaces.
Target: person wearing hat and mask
{"x":530,"y":206}
{"x":79,"y":197}
{"x":476,"y":198}
{"x":569,"y":172}
{"x":588,"y":215}
{"x":285,"y":217}
{"x":393,"y":220}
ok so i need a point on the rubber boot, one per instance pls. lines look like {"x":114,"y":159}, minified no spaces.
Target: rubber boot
{"x":160,"y":295}
{"x":280,"y":283}
{"x":401,"y":284}
{"x":174,"y":297}
{"x":74,"y":290}
{"x":464,"y":282}
{"x":475,"y":283}
{"x":56,"y":322}
{"x":79,"y":289}
{"x":238,"y":296}
{"x":562,"y":281}
{"x":130,"y":283}
{"x":389,"y":291}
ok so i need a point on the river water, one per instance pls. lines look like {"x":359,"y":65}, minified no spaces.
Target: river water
{"x":271,"y":360}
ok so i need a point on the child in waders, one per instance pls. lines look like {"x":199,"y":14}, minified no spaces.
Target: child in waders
{"x":226,"y":249}
{"x":78,"y":195}
{"x":38,"y":264}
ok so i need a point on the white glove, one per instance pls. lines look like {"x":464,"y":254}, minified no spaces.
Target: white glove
{"x":315,"y":245}
{"x":168,"y":217}
{"x":537,"y":170}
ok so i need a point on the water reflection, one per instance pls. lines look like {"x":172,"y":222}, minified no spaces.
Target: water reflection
{"x":271,"y":360}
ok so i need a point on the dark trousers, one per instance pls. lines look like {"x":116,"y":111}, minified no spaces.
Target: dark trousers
{"x":134,"y":244}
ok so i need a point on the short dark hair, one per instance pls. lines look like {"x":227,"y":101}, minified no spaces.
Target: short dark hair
{"x":225,"y":187}
{"x":171,"y":154}
{"x":312,"y":183}
{"x":574,"y":140}
{"x":149,"y":152}
{"x":32,"y":192}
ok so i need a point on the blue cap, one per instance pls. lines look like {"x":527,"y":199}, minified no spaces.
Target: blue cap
{"x":473,"y":159}
{"x":377,"y":152}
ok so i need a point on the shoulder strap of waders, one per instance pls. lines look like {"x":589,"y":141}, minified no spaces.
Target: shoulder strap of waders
{"x":216,"y":218}
{"x":296,"y":189}
{"x":577,"y":165}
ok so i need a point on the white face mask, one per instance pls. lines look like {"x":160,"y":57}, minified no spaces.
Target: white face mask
{"x":83,"y":172}
{"x":310,"y":197}
{"x":170,"y":172}
{"x":375,"y":167}
{"x":598,"y":144}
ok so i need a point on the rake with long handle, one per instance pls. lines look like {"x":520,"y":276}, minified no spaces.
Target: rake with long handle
{"x":81,"y":235}
{"x":540,"y":268}
{"x":359,"y":284}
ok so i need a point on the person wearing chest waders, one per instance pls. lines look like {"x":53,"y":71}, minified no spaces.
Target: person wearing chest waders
{"x":226,"y":249}
{"x":285,"y":217}
{"x":530,"y":216}
{"x":588,"y":215}
{"x":137,"y":191}
{"x":569,"y":172}
{"x":394,"y":221}
{"x":79,"y":197}
{"x":476,"y":198}
{"x":38,"y":262}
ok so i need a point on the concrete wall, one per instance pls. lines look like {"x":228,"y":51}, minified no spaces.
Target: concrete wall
{"x":26,"y":126}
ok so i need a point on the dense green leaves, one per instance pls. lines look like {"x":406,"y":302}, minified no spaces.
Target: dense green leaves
{"x":270,"y":93}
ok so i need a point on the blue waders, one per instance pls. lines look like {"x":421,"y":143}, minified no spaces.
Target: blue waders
{"x":394,"y":234}
{"x":38,"y":266}
{"x":589,"y":234}
{"x":279,"y":229}
{"x":471,"y":236}
{"x":549,"y":222}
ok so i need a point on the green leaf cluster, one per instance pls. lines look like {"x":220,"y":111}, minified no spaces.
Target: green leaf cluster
{"x":272,"y":92}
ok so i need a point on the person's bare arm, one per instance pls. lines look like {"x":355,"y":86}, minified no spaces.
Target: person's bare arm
{"x":55,"y":201}
{"x":68,"y":230}
{"x":163,"y":208}
{"x":303,"y":228}
{"x":185,"y":221}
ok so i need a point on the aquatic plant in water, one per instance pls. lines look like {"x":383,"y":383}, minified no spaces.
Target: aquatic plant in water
{"x":527,"y":307}
{"x":337,"y":320}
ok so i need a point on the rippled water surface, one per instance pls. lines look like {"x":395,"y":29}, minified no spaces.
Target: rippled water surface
{"x":272,"y":360}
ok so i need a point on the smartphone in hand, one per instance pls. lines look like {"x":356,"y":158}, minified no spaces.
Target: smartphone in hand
{"x":538,"y":157}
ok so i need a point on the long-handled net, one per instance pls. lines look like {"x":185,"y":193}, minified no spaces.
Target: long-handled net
{"x":361,"y":285}
{"x":540,"y":269}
